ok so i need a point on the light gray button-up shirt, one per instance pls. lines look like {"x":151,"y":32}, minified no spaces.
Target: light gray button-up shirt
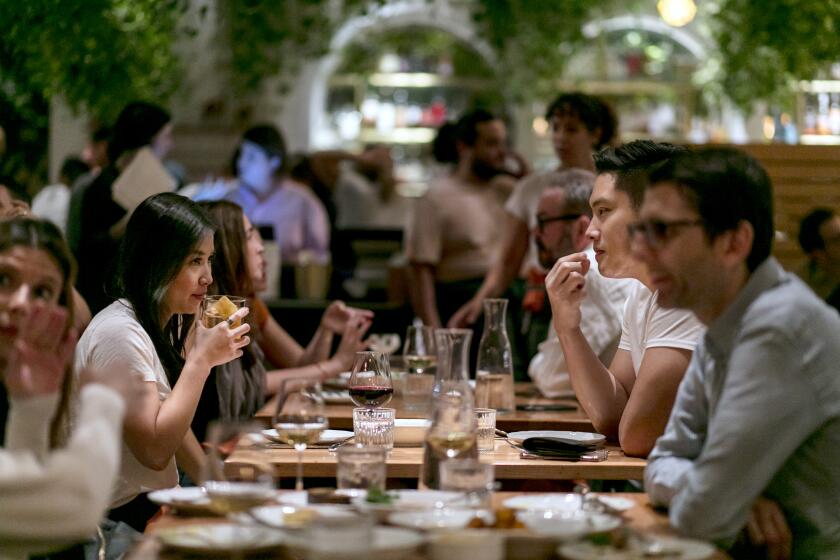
{"x":758,"y":413}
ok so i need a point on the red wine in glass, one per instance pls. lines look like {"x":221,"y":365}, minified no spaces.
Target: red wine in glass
{"x":371,"y":396}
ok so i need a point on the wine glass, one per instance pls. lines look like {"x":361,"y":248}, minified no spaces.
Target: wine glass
{"x":300,"y":418}
{"x":453,"y":431}
{"x":419,"y":351}
{"x":234,"y":488}
{"x":370,"y":381}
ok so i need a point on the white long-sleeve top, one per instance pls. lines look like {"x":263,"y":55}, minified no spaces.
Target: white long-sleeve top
{"x":51,"y":498}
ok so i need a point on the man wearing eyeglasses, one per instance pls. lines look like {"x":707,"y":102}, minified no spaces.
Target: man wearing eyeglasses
{"x":562,"y":218}
{"x":630,"y":400}
{"x":754,"y":438}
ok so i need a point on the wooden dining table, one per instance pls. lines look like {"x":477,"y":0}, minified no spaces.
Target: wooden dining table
{"x":520,"y":544}
{"x":405,"y":463}
{"x":340,"y":415}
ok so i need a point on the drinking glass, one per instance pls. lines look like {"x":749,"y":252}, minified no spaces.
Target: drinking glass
{"x":471,"y":477}
{"x":452,"y":432}
{"x":485,"y":420}
{"x":370,"y":381}
{"x":235,"y":489}
{"x":374,"y":426}
{"x":361,"y":467}
{"x":420,"y":359}
{"x":300,"y":418}
{"x":215,"y":309}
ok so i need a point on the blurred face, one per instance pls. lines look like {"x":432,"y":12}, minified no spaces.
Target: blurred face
{"x":256,"y":168}
{"x":163,"y":142}
{"x":188,"y":288}
{"x":686,"y":268}
{"x":27,"y":275}
{"x":255,"y":257}
{"x":829,"y":258}
{"x":612,"y":211}
{"x":573,"y":142}
{"x":490,"y":149}
{"x":554,"y":233}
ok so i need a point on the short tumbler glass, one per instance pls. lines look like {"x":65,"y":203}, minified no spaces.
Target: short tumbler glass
{"x":374,"y":427}
{"x":485,"y":423}
{"x":361,"y":467}
{"x":471,"y":477}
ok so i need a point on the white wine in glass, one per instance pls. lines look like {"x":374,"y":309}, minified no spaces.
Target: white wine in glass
{"x":300,"y":419}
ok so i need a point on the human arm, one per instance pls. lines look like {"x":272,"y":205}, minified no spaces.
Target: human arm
{"x":649,"y":404}
{"x":764,"y":398}
{"x":422,"y":293}
{"x":62,"y":497}
{"x":351,"y":342}
{"x":191,"y":458}
{"x":333,"y":322}
{"x":511,"y":254}
{"x":279,"y":347}
{"x":154,"y":429}
{"x":602,"y":392}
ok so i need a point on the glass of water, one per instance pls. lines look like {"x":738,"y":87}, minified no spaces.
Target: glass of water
{"x":471,"y":477}
{"x":361,"y":467}
{"x":485,"y":423}
{"x":420,"y":361}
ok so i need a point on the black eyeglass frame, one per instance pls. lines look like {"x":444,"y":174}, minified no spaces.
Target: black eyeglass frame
{"x":657,"y":233}
{"x":541,"y":222}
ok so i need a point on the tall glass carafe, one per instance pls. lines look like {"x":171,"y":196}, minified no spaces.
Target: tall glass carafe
{"x":494,"y":368}
{"x":452,"y":432}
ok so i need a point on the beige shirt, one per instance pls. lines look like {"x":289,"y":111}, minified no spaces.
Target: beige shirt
{"x":457,"y":228}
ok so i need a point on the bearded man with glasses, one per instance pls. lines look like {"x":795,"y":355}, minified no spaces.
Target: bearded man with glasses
{"x":632,"y":398}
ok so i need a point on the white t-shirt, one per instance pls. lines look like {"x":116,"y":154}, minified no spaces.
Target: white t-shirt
{"x":522,"y":203}
{"x":601,"y":313}
{"x":647,"y":325}
{"x":115,"y":342}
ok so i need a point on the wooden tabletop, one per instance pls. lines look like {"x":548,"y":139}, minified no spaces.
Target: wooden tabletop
{"x":520,"y":543}
{"x":405,"y":462}
{"x":340,"y":416}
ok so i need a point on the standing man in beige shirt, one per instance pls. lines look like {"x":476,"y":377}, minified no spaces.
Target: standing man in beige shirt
{"x":455,"y":230}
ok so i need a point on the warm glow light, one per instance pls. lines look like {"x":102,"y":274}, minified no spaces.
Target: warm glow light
{"x":677,"y":12}
{"x":540,"y":126}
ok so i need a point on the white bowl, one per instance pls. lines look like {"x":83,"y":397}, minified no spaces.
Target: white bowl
{"x":567,"y":525}
{"x":478,"y":543}
{"x":410,"y":431}
{"x":443,"y":518}
{"x":560,"y":503}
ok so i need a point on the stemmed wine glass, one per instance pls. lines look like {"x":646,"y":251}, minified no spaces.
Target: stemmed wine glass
{"x":370,"y":382}
{"x":300,"y":418}
{"x":419,"y":351}
{"x":232,"y":489}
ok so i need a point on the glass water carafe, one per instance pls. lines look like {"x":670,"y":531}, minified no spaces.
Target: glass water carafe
{"x":494,"y":368}
{"x":452,"y":433}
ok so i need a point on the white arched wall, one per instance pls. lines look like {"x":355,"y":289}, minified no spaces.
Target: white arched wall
{"x":304,"y":110}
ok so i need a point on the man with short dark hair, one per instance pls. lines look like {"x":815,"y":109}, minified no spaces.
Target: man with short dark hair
{"x":756,"y":424}
{"x":455,"y":229}
{"x":819,"y":237}
{"x":562,"y":218}
{"x":632,"y":398}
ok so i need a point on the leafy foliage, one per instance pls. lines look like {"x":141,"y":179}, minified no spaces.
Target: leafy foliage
{"x":766,"y":45}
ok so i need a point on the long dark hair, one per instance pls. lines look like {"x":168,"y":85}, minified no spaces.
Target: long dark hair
{"x":231,"y":275}
{"x":44,"y":236}
{"x":161,"y":233}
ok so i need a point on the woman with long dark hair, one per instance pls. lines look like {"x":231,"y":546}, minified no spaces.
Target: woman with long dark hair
{"x":163,"y":272}
{"x":236,"y":390}
{"x":53,"y":488}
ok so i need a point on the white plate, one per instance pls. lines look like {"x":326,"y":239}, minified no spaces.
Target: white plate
{"x":293,"y":498}
{"x":327,"y":436}
{"x":293,"y":517}
{"x":616,"y":502}
{"x":567,"y":526}
{"x":683,"y":549}
{"x":191,"y":499}
{"x":584,"y":438}
{"x":332,"y":396}
{"x":568,"y":503}
{"x":389,"y":543}
{"x":220,"y":538}
{"x":442,"y":518}
{"x":409,"y":500}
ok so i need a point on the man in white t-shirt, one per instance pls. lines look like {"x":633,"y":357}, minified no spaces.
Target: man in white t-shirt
{"x":561,"y":219}
{"x":632,"y":399}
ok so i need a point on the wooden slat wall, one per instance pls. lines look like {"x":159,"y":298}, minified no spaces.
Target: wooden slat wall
{"x":803,"y":177}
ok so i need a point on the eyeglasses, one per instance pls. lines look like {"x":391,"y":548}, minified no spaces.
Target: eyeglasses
{"x":542,"y":220}
{"x":658,"y":232}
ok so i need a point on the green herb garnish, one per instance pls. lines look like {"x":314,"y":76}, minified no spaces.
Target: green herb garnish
{"x":377,"y":496}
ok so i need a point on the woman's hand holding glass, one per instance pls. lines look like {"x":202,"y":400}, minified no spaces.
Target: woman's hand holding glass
{"x":42,"y":349}
{"x":221,"y":344}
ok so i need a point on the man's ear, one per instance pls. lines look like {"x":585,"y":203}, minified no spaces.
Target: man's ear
{"x":275,"y":162}
{"x":737,"y":244}
{"x":579,"y":238}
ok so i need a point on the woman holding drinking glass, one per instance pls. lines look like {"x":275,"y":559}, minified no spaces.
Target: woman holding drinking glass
{"x":237,"y":389}
{"x":163,"y":272}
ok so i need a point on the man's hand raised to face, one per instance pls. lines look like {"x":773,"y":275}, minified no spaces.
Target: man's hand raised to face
{"x":566,"y":287}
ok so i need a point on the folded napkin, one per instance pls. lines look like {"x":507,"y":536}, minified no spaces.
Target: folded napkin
{"x":558,"y":447}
